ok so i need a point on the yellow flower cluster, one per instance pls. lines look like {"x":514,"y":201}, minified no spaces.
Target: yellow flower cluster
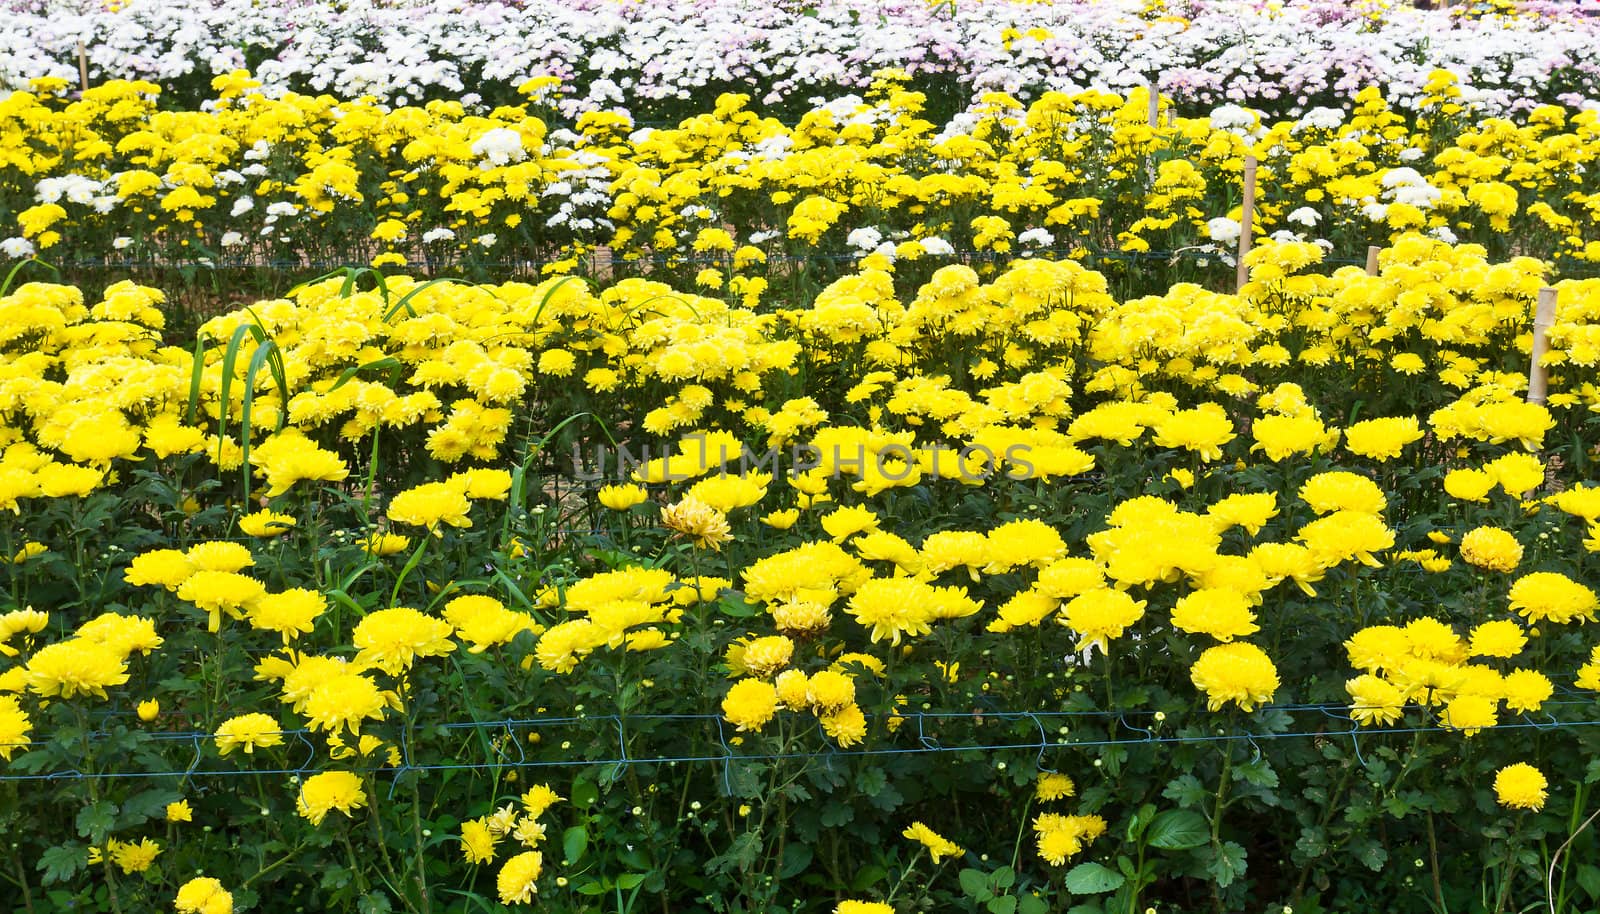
{"x":954,"y":433}
{"x":255,"y":176}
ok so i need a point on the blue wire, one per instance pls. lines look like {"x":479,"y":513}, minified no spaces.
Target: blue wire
{"x":926,"y":744}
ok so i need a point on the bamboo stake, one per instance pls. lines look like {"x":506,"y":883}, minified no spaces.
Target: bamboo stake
{"x":1372,"y":260}
{"x":83,"y":67}
{"x":1247,"y":216}
{"x":1155,"y":126}
{"x":1543,"y":319}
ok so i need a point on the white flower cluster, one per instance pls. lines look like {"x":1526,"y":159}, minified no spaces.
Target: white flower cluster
{"x":1290,"y":58}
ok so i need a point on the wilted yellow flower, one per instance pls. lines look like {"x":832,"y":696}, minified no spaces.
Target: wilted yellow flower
{"x":697,"y":522}
{"x":764,"y":657}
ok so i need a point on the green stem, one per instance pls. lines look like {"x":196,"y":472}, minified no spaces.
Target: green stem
{"x":1111,"y":692}
{"x":411,"y":564}
{"x":1433,"y":861}
{"x":1219,"y":803}
{"x":889,"y":899}
{"x":419,"y":845}
{"x":1509,"y":872}
{"x":1022,"y":829}
{"x":111,"y":883}
{"x":22,"y":881}
{"x":275,"y":864}
{"x":355,"y":865}
{"x":383,"y":843}
{"x":372,"y":478}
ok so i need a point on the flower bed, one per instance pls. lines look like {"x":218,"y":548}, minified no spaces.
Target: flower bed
{"x":657,"y":59}
{"x":799,"y":460}
{"x":1185,"y":592}
{"x":732,"y":202}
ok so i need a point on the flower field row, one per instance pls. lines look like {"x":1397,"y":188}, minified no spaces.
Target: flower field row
{"x":656,"y":59}
{"x":733,"y":203}
{"x":430,"y":596}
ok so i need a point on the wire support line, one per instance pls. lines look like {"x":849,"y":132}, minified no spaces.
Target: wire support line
{"x":923,"y":738}
{"x":673,"y":260}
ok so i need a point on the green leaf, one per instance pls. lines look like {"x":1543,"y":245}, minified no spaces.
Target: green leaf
{"x":1092,"y":879}
{"x":1371,"y":854}
{"x":629,"y":881}
{"x":1397,"y":806}
{"x":871,"y":781}
{"x":1032,"y":904}
{"x":1178,"y":830}
{"x":1186,"y":790}
{"x":146,"y":805}
{"x":735,"y":605}
{"x":1140,"y":821}
{"x":837,"y":815}
{"x":592,"y":887}
{"x":1589,"y":880}
{"x":744,"y":851}
{"x":62,"y":862}
{"x":11,"y":277}
{"x":1004,"y":877}
{"x":975,"y":885}
{"x":869,"y":876}
{"x":584,"y":793}
{"x":887,"y":799}
{"x":574,"y":841}
{"x":1226,"y":864}
{"x":1258,"y":772}
{"x":1005,"y":904}
{"x":95,"y":820}
{"x":796,"y":858}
